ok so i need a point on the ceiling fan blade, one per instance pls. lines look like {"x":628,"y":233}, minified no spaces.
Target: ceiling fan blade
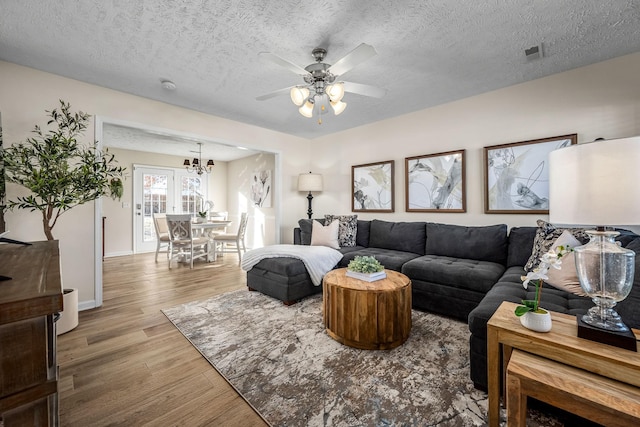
{"x":275,"y":93}
{"x":353,"y":58}
{"x":283,"y":63}
{"x":366,"y":90}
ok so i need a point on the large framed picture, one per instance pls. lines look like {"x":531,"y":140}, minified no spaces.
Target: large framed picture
{"x":517,"y":175}
{"x":373,"y":187}
{"x":435,"y":182}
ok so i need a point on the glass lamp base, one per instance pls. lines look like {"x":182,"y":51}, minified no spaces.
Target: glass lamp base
{"x":605,"y":271}
{"x":604,"y":318}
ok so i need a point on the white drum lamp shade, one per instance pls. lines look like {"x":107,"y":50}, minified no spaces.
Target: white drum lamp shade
{"x":310,"y":182}
{"x":596,"y":183}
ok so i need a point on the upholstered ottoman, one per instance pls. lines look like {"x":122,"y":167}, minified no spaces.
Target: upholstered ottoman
{"x":286,"y":279}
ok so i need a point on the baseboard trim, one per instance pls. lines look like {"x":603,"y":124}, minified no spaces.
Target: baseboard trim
{"x":86,"y":305}
{"x":115,"y":254}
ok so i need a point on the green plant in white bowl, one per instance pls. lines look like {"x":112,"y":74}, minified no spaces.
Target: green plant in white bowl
{"x":365,"y":264}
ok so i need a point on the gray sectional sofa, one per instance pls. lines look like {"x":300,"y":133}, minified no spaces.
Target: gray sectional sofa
{"x":457,"y":271}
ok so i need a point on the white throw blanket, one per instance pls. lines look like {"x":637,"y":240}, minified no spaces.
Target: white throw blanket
{"x":319,"y":260}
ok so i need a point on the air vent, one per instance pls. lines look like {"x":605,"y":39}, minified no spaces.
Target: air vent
{"x":534,"y":52}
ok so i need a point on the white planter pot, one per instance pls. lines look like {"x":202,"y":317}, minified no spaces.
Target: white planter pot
{"x":539,"y":322}
{"x":69,"y":314}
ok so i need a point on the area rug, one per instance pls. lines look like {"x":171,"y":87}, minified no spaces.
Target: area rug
{"x":281,"y":360}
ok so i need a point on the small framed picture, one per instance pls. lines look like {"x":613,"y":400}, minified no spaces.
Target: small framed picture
{"x":435,"y":182}
{"x":517,"y":175}
{"x":373,"y":187}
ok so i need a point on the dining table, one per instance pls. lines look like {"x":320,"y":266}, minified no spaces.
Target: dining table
{"x":207,"y":228}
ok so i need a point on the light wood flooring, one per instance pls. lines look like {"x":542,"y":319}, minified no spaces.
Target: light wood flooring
{"x":127,"y":365}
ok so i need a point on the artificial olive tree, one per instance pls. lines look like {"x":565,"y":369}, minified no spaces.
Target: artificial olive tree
{"x":59,"y":171}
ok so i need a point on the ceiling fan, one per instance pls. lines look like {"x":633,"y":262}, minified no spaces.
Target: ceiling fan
{"x":321,"y":81}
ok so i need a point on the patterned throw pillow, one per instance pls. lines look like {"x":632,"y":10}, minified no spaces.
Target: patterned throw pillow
{"x":347,"y":229}
{"x":545,"y":236}
{"x":566,"y":278}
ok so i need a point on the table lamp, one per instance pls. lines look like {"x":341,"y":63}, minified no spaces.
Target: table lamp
{"x":309,"y":182}
{"x":597,"y":183}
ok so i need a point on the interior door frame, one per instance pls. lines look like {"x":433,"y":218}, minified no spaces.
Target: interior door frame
{"x":99,"y":122}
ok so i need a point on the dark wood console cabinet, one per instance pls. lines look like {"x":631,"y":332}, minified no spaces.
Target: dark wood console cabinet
{"x":29,"y":305}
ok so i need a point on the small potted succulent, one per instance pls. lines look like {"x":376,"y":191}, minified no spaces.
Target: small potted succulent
{"x":366,"y":268}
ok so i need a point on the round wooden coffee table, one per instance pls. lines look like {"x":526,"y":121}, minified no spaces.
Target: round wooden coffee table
{"x":367,"y":315}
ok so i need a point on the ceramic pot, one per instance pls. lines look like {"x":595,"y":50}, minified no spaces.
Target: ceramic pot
{"x":539,"y":322}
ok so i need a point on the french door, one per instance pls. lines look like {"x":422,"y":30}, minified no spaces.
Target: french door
{"x":162,"y":190}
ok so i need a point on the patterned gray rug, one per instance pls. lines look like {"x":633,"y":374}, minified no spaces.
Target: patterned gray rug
{"x":281,"y":361}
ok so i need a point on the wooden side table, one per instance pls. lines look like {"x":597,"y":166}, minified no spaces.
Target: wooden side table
{"x":367,"y":315}
{"x":596,"y":398}
{"x":505,"y":333}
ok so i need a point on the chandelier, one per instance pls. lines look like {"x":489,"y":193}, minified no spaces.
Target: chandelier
{"x":196,"y":164}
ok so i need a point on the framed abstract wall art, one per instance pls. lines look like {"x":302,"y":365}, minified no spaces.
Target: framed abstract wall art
{"x":373,"y":187}
{"x":435,"y":182}
{"x":517,"y":175}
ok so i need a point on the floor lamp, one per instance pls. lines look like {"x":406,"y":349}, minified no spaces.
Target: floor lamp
{"x":596,"y":184}
{"x":309,"y":182}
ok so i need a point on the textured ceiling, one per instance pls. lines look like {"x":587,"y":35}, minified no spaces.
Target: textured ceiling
{"x":429,"y":52}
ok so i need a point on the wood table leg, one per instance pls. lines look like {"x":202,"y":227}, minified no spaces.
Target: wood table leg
{"x":493,"y":376}
{"x":516,"y":403}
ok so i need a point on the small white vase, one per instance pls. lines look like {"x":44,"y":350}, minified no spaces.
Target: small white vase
{"x":539,"y":322}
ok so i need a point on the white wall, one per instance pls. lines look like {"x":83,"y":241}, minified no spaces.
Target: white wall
{"x":26,"y":93}
{"x":601,"y":100}
{"x":261,"y":226}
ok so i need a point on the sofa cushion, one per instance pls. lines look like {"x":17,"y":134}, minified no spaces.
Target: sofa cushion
{"x":520,"y":245}
{"x":629,"y":308}
{"x":325,"y":235}
{"x":488,"y":243}
{"x":348,"y":227}
{"x":509,"y":288}
{"x":306,"y":225}
{"x":390,"y":259}
{"x":362,"y":235}
{"x":545,"y":236}
{"x":398,"y":236}
{"x":471,"y":274}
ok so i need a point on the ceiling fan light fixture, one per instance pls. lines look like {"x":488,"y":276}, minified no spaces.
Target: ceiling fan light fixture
{"x":338,"y":107}
{"x":335,"y":92}
{"x":299,"y":94}
{"x":307,"y":109}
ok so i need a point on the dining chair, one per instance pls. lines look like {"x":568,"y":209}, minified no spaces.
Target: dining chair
{"x":221,"y":241}
{"x":219,"y":216}
{"x":181,"y":239}
{"x":162,"y":233}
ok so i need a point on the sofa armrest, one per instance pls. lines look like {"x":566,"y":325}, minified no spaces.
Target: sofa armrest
{"x":297,"y":239}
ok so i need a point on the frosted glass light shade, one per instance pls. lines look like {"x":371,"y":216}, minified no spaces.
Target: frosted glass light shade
{"x":338,"y":107}
{"x":595,"y":183}
{"x":310,"y":182}
{"x":307,"y":109}
{"x":335,"y":92}
{"x":298,"y":95}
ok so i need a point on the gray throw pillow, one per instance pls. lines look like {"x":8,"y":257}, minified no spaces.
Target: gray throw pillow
{"x":346,"y":230}
{"x":545,"y":236}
